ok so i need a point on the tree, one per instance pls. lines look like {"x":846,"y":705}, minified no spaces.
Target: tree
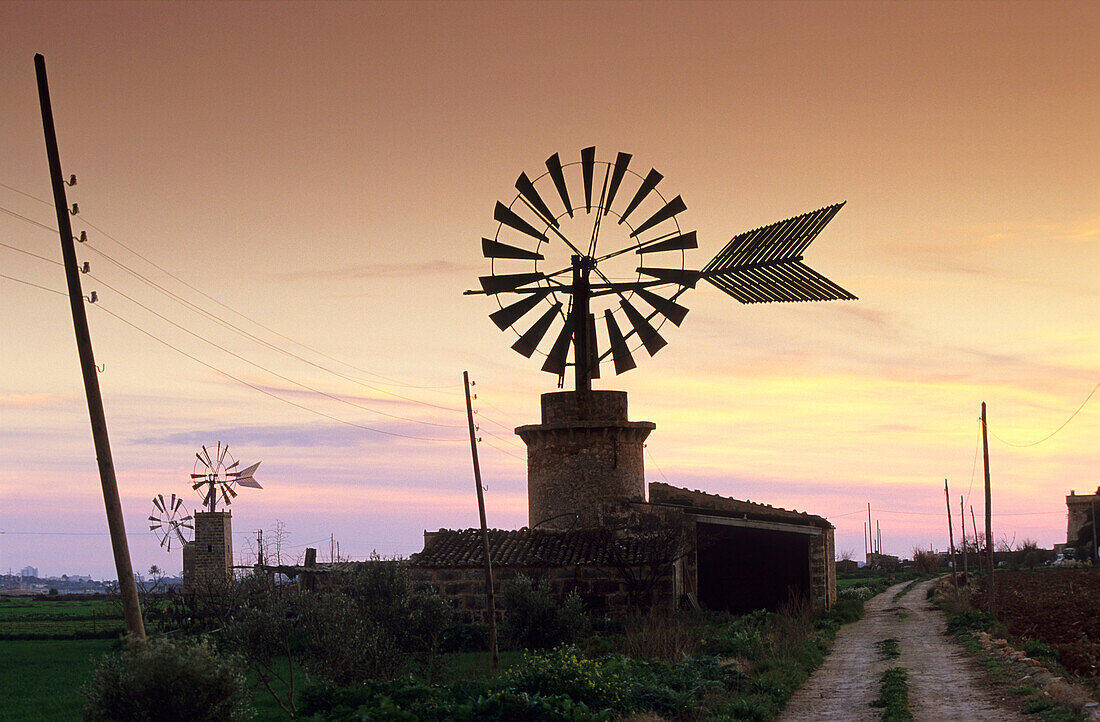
{"x":643,"y":550}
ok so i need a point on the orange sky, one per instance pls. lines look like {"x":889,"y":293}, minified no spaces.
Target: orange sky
{"x":328,"y":171}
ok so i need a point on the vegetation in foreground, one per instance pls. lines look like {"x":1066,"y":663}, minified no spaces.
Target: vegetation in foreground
{"x":335,"y":655}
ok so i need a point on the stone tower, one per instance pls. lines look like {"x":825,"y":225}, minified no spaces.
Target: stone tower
{"x":584,"y":451}
{"x":208,"y":560}
{"x":1079,"y":508}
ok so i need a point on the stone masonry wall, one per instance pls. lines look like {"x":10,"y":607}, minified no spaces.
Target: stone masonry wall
{"x":602,"y":589}
{"x":1077,"y":506}
{"x":584,"y":451}
{"x":208,"y":560}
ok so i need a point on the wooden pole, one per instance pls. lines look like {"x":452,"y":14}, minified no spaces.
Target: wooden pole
{"x":116,"y":526}
{"x":962,"y":528}
{"x":974,"y":524}
{"x":870,"y":530}
{"x":951,"y":537}
{"x":866,"y":551}
{"x":988,"y":515}
{"x":489,"y":598}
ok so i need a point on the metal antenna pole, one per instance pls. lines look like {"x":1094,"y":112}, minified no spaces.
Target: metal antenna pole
{"x":127,"y":588}
{"x":951,"y":538}
{"x":489,"y":598}
{"x":988,"y":515}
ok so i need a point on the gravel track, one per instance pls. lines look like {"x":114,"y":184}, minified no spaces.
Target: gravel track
{"x":944,"y":682}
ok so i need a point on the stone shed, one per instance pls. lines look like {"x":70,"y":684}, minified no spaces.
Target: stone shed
{"x":681,"y":549}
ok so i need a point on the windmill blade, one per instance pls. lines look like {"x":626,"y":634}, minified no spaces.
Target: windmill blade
{"x":504,"y":214}
{"x":165,"y":541}
{"x":168,"y":538}
{"x":588,"y":163}
{"x":785,"y":281}
{"x":781,"y":241}
{"x":682,"y":242}
{"x":179,"y":534}
{"x":530,"y":340}
{"x":496,"y":249}
{"x":682,"y":276}
{"x":559,"y":352}
{"x":247,"y":473}
{"x":620,"y":352}
{"x":644,"y":190}
{"x":172,"y":503}
{"x":218,"y":453}
{"x":250,"y":483}
{"x":198,"y":476}
{"x":593,"y":351}
{"x":231,"y":465}
{"x":665,"y":306}
{"x":156,"y":519}
{"x":226,"y":488}
{"x":674,"y":206}
{"x":508,"y":315}
{"x":508,"y":281}
{"x":186,"y":519}
{"x":209,"y":462}
{"x":527,"y":189}
{"x":621,"y":162}
{"x":225,"y":498}
{"x":158,"y":502}
{"x":197,"y":485}
{"x":553,"y":164}
{"x":652,"y":340}
{"x":179,"y":503}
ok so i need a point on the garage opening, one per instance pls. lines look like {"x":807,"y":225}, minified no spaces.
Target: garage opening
{"x":742,"y":569}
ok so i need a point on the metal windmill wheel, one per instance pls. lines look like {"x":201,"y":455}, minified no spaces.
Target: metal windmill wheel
{"x":215,"y":475}
{"x":171,"y":521}
{"x":575,"y":261}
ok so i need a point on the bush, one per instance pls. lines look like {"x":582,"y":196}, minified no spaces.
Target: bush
{"x":167,"y":680}
{"x":465,"y":638}
{"x":533,"y":619}
{"x":969,"y":620}
{"x":745,"y":637}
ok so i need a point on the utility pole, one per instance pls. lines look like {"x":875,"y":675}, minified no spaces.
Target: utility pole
{"x":1092,"y":506}
{"x":866,"y":551}
{"x":260,"y":547}
{"x":988,"y":514}
{"x":951,"y":537}
{"x":962,"y":527}
{"x":127,"y":587}
{"x":870,"y":530}
{"x":489,"y":598}
{"x":878,"y":536}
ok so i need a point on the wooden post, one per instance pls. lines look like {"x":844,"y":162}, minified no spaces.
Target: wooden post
{"x":489,"y":598}
{"x":870,"y":530}
{"x":866,"y":551}
{"x":951,"y":537}
{"x":962,"y":528}
{"x":988,"y":515}
{"x":127,"y":587}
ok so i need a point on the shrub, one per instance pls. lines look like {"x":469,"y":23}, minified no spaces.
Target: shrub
{"x":465,"y":638}
{"x":164,"y":680}
{"x":744,"y":637}
{"x":925,"y":561}
{"x":533,"y":619}
{"x":652,"y":637}
{"x":969,"y":620}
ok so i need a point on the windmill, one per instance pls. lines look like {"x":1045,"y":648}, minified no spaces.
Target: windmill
{"x":170,"y":520}
{"x":214,"y":475}
{"x":567,"y":260}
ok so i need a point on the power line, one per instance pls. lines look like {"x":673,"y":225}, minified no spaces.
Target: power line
{"x":35,"y":285}
{"x":269,"y":393}
{"x":264,"y":368}
{"x":1064,"y":424}
{"x":17,"y":249}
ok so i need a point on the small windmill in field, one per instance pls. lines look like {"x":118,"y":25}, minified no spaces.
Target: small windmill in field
{"x":170,"y":521}
{"x":214,"y":476}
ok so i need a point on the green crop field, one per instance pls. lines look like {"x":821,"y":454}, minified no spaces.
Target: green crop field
{"x":23,"y":617}
{"x":41,"y":679}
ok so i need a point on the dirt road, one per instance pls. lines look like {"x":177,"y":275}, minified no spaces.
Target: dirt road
{"x":944,"y":683}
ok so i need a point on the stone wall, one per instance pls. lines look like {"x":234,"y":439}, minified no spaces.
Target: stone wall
{"x":602,"y":589}
{"x":208,"y":560}
{"x":584,"y":451}
{"x":1078,"y":508}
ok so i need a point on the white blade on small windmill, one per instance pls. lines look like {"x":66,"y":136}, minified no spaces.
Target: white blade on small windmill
{"x":244,"y":477}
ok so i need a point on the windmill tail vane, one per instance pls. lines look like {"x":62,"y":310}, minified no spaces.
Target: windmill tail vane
{"x":764,"y":265}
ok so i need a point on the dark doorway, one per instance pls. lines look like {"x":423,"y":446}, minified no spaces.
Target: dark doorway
{"x":742,"y":569}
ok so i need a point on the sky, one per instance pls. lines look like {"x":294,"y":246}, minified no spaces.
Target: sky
{"x":284,"y":203}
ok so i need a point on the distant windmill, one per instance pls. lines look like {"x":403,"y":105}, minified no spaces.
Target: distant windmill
{"x":170,"y":520}
{"x":557,"y":261}
{"x":214,"y":476}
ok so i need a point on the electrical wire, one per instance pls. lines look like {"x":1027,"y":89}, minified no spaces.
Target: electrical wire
{"x":34,"y":285}
{"x":32,"y":255}
{"x":168,"y":273}
{"x":237,"y":356}
{"x":1051,"y":434}
{"x":270,"y":393}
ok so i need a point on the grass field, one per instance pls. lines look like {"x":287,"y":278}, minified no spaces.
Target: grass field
{"x":41,"y":679}
{"x":61,"y":618}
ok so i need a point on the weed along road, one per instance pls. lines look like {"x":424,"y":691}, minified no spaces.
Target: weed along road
{"x":943,"y":682}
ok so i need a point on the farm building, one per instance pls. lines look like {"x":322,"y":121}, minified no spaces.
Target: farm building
{"x":592,"y":529}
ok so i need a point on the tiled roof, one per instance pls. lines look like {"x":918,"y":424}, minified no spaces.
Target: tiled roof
{"x":536,"y":548}
{"x":700,"y":502}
